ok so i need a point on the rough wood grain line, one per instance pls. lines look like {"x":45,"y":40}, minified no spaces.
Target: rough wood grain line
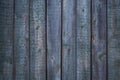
{"x":99,"y":39}
{"x":6,"y":39}
{"x":69,"y":40}
{"x":54,"y":39}
{"x":37,"y":40}
{"x":21,"y":39}
{"x":83,"y":39}
{"x":113,"y":39}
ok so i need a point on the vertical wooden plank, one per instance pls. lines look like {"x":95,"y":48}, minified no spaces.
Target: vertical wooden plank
{"x":113,"y":39}
{"x":98,"y":39}
{"x":54,"y":39}
{"x":6,"y":39}
{"x":69,"y":40}
{"x":83,"y":40}
{"x":37,"y":40}
{"x":21,"y":39}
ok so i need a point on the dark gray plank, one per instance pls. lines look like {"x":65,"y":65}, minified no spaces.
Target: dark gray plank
{"x":83,"y":40}
{"x":113,"y":39}
{"x":6,"y":39}
{"x":69,"y":40}
{"x":54,"y":39}
{"x":98,"y":39}
{"x":21,"y":39}
{"x":37,"y":40}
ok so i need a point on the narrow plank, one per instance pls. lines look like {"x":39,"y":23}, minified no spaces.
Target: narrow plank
{"x":113,"y":39}
{"x":37,"y":40}
{"x":6,"y":39}
{"x":21,"y":40}
{"x":54,"y":39}
{"x":69,"y":40}
{"x":83,"y":40}
{"x":98,"y":39}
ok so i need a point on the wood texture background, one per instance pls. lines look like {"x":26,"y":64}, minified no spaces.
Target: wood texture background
{"x":59,"y":39}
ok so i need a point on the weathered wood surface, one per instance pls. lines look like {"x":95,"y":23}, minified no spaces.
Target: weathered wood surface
{"x":59,"y":39}
{"x":21,"y":40}
{"x":99,"y":39}
{"x":6,"y":39}
{"x":69,"y":40}
{"x":83,"y":40}
{"x":53,"y":39}
{"x":113,"y":39}
{"x":37,"y":40}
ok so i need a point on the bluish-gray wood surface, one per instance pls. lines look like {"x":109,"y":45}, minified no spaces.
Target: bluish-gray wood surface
{"x":59,"y":40}
{"x":99,"y":40}
{"x":69,"y":40}
{"x":21,"y":40}
{"x":83,"y":40}
{"x":53,"y":39}
{"x":37,"y":40}
{"x":6,"y":39}
{"x":113,"y":39}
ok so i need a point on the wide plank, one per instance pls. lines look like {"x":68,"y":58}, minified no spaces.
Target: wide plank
{"x":83,"y":39}
{"x":21,"y":40}
{"x":113,"y":39}
{"x":53,"y":39}
{"x":37,"y":40}
{"x":69,"y":40}
{"x":6,"y":39}
{"x":99,"y":47}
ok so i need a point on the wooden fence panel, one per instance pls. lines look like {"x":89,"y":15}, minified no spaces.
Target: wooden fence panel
{"x":113,"y":39}
{"x":37,"y":40}
{"x":6,"y":39}
{"x":59,"y":40}
{"x":69,"y":40}
{"x":99,"y":39}
{"x":53,"y":39}
{"x":21,"y":40}
{"x":83,"y":39}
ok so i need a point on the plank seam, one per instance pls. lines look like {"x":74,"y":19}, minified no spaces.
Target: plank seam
{"x":46,"y":35}
{"x":61,"y":35}
{"x":106,"y":42}
{"x":90,"y":39}
{"x":14,"y":66}
{"x":76,"y":39}
{"x":29,"y":37}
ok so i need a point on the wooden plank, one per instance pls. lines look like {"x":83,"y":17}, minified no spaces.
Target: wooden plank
{"x":21,"y":39}
{"x":69,"y":40}
{"x":6,"y":39}
{"x":99,"y":39}
{"x":37,"y":40}
{"x":83,"y":40}
{"x":113,"y":39}
{"x":54,"y":39}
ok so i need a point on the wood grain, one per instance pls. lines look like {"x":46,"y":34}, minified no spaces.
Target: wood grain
{"x":21,"y":39}
{"x":37,"y":40}
{"x":6,"y":39}
{"x":69,"y":40}
{"x":98,"y":39}
{"x":113,"y":39}
{"x":54,"y":39}
{"x":83,"y":39}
